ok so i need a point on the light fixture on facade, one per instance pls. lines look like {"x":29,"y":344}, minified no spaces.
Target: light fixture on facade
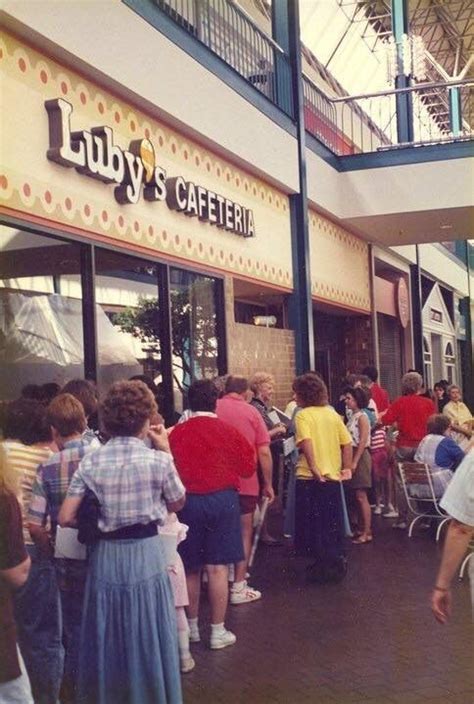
{"x":266,"y":321}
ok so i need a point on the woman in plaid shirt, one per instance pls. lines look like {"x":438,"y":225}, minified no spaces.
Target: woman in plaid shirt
{"x":129,"y":648}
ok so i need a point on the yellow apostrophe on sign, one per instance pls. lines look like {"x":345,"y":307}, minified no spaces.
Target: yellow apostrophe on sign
{"x":147,"y":155}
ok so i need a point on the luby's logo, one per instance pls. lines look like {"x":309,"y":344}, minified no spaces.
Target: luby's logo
{"x":135,"y":170}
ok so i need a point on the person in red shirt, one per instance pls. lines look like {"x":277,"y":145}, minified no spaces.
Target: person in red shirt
{"x":379,"y":395}
{"x":410,"y":412}
{"x":211,"y":456}
{"x":234,"y":409}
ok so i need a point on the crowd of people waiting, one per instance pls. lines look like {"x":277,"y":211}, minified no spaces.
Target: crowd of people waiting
{"x":110,"y":523}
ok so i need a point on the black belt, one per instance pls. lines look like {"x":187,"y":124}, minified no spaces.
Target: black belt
{"x":135,"y":532}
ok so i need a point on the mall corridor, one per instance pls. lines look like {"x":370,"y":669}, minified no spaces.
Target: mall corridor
{"x":370,"y":639}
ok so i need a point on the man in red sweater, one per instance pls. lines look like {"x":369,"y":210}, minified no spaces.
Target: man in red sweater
{"x":410,"y":412}
{"x":211,"y":456}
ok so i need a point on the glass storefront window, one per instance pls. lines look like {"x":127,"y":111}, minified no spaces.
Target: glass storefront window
{"x":194,"y":330}
{"x":41,"y":337}
{"x":127,"y":318}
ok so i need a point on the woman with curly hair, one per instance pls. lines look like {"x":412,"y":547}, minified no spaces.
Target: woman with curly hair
{"x":320,"y":436}
{"x":129,"y":648}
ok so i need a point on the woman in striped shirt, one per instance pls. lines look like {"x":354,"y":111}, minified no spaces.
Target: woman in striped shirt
{"x":37,"y":607}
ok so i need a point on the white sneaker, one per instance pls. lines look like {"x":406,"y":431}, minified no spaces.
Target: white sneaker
{"x":245,"y":595}
{"x":377,"y":510}
{"x":222,"y":639}
{"x":401,"y":525}
{"x":391,"y":513}
{"x":194,"y":635}
{"x":187,"y":664}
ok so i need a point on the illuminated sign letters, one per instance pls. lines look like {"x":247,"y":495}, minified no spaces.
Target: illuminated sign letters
{"x":95,"y":154}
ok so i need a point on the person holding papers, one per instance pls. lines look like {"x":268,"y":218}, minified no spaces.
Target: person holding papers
{"x":65,"y":415}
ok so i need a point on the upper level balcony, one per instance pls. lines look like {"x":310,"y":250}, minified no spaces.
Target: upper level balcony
{"x":421,"y":123}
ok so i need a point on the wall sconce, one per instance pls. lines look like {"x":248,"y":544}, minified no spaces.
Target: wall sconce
{"x":267,"y":321}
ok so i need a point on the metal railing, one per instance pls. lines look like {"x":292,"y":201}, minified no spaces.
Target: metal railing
{"x":230,"y":33}
{"x":442,"y":112}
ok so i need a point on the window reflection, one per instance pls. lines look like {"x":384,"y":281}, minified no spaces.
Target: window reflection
{"x":194,"y":330}
{"x":41,"y":337}
{"x":128,"y":318}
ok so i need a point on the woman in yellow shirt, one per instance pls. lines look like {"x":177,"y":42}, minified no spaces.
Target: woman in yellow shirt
{"x":320,"y":435}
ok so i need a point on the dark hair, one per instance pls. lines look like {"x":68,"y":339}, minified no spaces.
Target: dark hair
{"x":33,"y":391}
{"x":49,"y":391}
{"x":345,"y":388}
{"x":202,"y":395}
{"x":66,"y":414}
{"x":442,"y":384}
{"x":360,"y":396}
{"x":126,"y":408}
{"x":371,"y":372}
{"x":311,"y":389}
{"x":437,"y":424}
{"x":25,"y":420}
{"x":85,"y":392}
{"x":236,"y":385}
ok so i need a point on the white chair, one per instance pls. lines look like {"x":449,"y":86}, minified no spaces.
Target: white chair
{"x":419,"y":493}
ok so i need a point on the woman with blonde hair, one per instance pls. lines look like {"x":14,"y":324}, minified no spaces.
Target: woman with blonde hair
{"x":262,"y":385}
{"x":459,"y":415}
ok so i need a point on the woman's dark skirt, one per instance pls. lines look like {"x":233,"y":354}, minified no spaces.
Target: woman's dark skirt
{"x":319,"y":527}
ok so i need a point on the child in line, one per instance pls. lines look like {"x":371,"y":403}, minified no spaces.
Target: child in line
{"x":172,"y":533}
{"x":382,"y":472}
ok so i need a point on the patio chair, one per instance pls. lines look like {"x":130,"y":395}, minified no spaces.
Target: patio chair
{"x":419,"y":493}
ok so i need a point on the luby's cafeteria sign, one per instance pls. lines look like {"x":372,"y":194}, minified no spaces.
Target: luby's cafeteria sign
{"x":135,"y":171}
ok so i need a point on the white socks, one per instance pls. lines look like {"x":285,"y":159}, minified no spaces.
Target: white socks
{"x":217,"y":629}
{"x":183,"y":645}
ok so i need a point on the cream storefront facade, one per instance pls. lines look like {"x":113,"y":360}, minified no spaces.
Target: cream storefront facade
{"x":70,"y":152}
{"x":340,"y":286}
{"x":128,"y":247}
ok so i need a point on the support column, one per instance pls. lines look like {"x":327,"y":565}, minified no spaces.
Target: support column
{"x":89,"y":320}
{"x":404,"y":102}
{"x":467,"y":361}
{"x":417,"y":308}
{"x":455,"y":114}
{"x":166,"y":345}
{"x":286,"y":31}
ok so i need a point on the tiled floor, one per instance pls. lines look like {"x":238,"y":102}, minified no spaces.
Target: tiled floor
{"x":371,"y":638}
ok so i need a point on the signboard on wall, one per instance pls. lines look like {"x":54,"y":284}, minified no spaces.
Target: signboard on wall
{"x":136,"y":172}
{"x":403,"y":302}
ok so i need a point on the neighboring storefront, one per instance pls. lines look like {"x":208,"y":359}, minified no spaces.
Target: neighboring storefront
{"x":123,"y":240}
{"x":440,"y":348}
{"x":393,"y":318}
{"x":340,"y":278}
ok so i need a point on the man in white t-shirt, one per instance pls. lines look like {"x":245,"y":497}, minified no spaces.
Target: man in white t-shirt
{"x":458,"y":502}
